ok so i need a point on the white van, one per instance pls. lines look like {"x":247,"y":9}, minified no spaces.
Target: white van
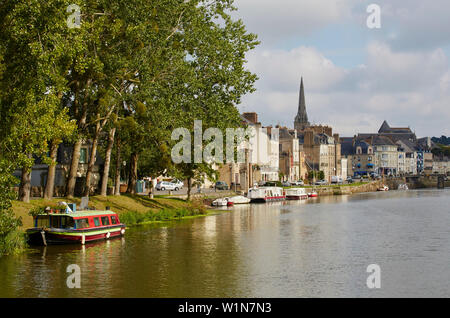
{"x":337,"y":180}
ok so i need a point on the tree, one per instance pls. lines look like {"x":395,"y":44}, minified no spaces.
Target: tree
{"x":34,"y":49}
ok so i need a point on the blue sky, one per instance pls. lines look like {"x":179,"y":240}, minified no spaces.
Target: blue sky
{"x":355,"y":77}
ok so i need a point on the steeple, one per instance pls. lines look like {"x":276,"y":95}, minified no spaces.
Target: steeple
{"x":301,"y":120}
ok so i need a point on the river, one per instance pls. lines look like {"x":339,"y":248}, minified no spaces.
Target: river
{"x":315,"y":248}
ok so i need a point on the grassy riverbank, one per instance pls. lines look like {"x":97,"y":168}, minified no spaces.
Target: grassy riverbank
{"x":132,"y":210}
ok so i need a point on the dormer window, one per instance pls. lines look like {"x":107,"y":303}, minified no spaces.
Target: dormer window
{"x":358,"y":150}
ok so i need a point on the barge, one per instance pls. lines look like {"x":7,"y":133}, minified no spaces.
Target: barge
{"x":266,"y":194}
{"x":77,"y":227}
{"x":296,"y":194}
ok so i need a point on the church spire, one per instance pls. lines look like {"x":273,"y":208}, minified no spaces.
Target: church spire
{"x":301,"y":120}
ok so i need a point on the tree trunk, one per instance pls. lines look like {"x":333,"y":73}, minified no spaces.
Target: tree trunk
{"x":92,"y":159}
{"x":118,"y":166}
{"x":189,"y":180}
{"x":25,"y":185}
{"x":71,"y":179}
{"x":133,"y":173}
{"x":105,"y":177}
{"x":50,"y":185}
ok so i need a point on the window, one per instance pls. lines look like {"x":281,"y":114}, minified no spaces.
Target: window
{"x":43,"y":221}
{"x":105,"y":220}
{"x":113,"y":219}
{"x":67,"y":222}
{"x":55,"y":221}
{"x":83,"y":155}
{"x":82,"y":223}
{"x":97,"y":221}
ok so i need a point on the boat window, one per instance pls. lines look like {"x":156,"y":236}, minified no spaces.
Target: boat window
{"x":105,"y":220}
{"x":82,"y":223}
{"x":43,"y":221}
{"x":55,"y":221}
{"x":97,"y":221}
{"x":113,"y":219}
{"x":67,"y":222}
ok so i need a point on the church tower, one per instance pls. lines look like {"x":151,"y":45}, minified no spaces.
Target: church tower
{"x":301,"y":120}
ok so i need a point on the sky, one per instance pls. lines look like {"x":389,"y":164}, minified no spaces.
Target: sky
{"x":354,"y":76}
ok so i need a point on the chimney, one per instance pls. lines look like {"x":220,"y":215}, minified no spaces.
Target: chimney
{"x":336,"y":137}
{"x":251,"y":117}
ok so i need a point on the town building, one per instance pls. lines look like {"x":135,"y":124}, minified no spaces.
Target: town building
{"x":321,"y":147}
{"x":289,"y":154}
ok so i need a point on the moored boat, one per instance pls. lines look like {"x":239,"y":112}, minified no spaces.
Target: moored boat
{"x":266,"y":194}
{"x":296,"y":194}
{"x":76,"y":227}
{"x":239,"y":199}
{"x":221,"y":202}
{"x":313,"y":194}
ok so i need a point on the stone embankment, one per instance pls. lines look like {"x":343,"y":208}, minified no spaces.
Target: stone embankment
{"x":349,"y":189}
{"x":415,"y":182}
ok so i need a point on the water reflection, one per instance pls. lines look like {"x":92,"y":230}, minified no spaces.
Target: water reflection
{"x":309,"y":248}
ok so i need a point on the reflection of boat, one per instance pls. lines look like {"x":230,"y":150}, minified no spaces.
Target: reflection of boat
{"x":383,"y":188}
{"x":239,"y":199}
{"x":266,"y":194}
{"x":296,"y":194}
{"x":221,"y":202}
{"x":78,"y":227}
{"x":403,"y":186}
{"x":313,"y":194}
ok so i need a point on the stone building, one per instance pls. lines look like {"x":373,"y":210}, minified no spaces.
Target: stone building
{"x":39,"y":171}
{"x":322,"y":149}
{"x":289,"y":154}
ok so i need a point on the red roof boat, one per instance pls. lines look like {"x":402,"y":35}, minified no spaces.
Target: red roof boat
{"x":76,"y":227}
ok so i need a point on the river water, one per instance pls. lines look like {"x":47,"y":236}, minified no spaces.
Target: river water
{"x":315,"y":248}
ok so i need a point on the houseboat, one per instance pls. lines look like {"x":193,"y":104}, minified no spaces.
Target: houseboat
{"x":266,"y":194}
{"x":296,"y":194}
{"x":76,"y":227}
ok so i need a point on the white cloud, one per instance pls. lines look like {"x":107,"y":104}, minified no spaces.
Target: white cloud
{"x":405,"y":88}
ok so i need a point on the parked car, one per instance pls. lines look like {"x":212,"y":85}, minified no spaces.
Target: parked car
{"x":166,"y":185}
{"x":178,"y":183}
{"x":221,"y":185}
{"x":321,"y":182}
{"x":349,"y":180}
{"x":285,"y":184}
{"x":298,"y":183}
{"x":336,"y":180}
